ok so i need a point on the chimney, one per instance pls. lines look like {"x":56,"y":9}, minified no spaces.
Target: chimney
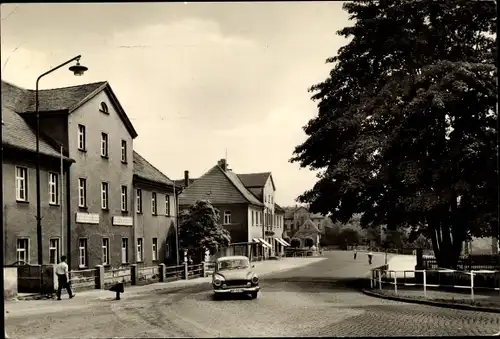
{"x":222,"y":164}
{"x":186,"y":178}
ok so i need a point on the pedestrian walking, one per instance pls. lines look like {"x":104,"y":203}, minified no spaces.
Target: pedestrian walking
{"x":355,"y":253}
{"x":62,"y":278}
{"x":370,"y":257}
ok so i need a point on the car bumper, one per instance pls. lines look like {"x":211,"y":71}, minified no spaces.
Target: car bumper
{"x":236,"y":290}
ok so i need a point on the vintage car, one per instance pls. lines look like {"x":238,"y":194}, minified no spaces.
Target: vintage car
{"x":234,"y":274}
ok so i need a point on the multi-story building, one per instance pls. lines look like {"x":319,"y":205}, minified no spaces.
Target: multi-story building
{"x":262,"y":186}
{"x":96,"y":137}
{"x":19,"y":186}
{"x":246,"y":207}
{"x":296,"y":217}
{"x":155,"y":214}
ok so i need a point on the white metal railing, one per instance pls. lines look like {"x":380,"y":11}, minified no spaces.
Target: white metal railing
{"x":390,"y":277}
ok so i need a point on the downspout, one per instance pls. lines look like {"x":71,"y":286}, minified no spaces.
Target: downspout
{"x":68,"y":214}
{"x":134,"y":225}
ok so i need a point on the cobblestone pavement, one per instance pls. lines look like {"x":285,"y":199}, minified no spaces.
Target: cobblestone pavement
{"x":481,"y":298}
{"x":314,"y":300}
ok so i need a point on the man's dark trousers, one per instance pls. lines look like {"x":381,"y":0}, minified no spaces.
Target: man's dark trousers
{"x":63,"y":283}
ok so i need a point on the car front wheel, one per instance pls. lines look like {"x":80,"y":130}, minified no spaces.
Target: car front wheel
{"x":253,"y":295}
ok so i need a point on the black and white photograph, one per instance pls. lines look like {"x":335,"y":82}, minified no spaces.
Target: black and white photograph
{"x":250,"y":169}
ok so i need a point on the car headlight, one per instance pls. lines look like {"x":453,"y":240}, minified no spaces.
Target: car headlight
{"x":255,"y":280}
{"x":217,"y":280}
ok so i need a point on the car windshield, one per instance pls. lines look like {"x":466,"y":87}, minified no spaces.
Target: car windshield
{"x":232,"y":264}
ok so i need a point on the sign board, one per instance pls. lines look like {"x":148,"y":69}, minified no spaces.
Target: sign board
{"x":123,"y":221}
{"x":87,"y":218}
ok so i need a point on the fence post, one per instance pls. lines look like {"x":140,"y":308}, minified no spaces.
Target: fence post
{"x":186,"y":272}
{"x":202,"y":273}
{"x":379,"y":279}
{"x":133,"y":274}
{"x":425,"y":284}
{"x":99,"y":277}
{"x":162,"y":272}
{"x":395,"y":283}
{"x":371,"y":280}
{"x":472,"y":285}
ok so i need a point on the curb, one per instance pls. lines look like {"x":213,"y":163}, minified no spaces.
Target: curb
{"x":432,"y":303}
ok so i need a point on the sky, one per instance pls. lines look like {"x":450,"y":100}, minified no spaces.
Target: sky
{"x":197,"y":80}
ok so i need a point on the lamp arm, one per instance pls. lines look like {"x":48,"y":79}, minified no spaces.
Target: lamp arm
{"x":50,"y":71}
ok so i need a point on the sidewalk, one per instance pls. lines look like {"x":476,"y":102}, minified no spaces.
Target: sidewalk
{"x":83,"y":298}
{"x":483,"y":300}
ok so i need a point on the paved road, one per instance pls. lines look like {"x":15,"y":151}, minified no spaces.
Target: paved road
{"x":315,"y":300}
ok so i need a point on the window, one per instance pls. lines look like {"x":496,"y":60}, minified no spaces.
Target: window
{"x":124,"y":199}
{"x":23,"y":251}
{"x":124,"y":250}
{"x":138,"y":201}
{"x":140,"y":251}
{"x":105,"y":251}
{"x":21,"y":184}
{"x":82,"y":138}
{"x":54,"y":251}
{"x":82,"y":252}
{"x":253,"y":218}
{"x":104,"y":195}
{"x":82,"y":192}
{"x":227,"y":217}
{"x":104,"y":108}
{"x":53,"y":188}
{"x":155,"y":249}
{"x":167,"y":205}
{"x":104,"y":145}
{"x":153,"y":203}
{"x":124,"y":151}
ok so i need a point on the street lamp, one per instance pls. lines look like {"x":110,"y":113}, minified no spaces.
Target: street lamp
{"x":77,"y":70}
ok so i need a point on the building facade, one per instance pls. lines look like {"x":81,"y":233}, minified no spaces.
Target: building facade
{"x":19,"y":187}
{"x":99,"y":209}
{"x":155,"y":214}
{"x":244,"y":211}
{"x":296,"y":216}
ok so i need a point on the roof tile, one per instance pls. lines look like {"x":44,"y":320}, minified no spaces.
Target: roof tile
{"x":16,"y":131}
{"x":219,"y":187}
{"x":254,"y":179}
{"x":144,"y":170}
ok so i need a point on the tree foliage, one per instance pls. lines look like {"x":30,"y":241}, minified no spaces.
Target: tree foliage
{"x":308,"y":242}
{"x":349,"y":236}
{"x":200,"y":230}
{"x":405,"y":132}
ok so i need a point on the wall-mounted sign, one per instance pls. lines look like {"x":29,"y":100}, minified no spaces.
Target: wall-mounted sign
{"x":87,"y":218}
{"x":123,"y":221}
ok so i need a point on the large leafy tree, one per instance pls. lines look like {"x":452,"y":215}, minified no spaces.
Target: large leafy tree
{"x":405,"y":132}
{"x":200,"y":230}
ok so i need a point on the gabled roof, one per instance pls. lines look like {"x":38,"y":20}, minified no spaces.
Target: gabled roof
{"x":219,"y":187}
{"x":241,"y":187}
{"x":303,"y":230}
{"x":16,"y":131}
{"x":278,"y":208}
{"x":255,"y":180}
{"x":144,"y":170}
{"x":68,"y":99}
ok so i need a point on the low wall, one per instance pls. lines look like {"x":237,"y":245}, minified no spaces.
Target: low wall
{"x":10,"y":282}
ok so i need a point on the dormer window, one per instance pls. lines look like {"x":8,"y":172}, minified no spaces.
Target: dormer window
{"x":104,"y":108}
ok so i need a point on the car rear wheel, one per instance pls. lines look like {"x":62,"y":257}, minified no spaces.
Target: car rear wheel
{"x":253,"y":295}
